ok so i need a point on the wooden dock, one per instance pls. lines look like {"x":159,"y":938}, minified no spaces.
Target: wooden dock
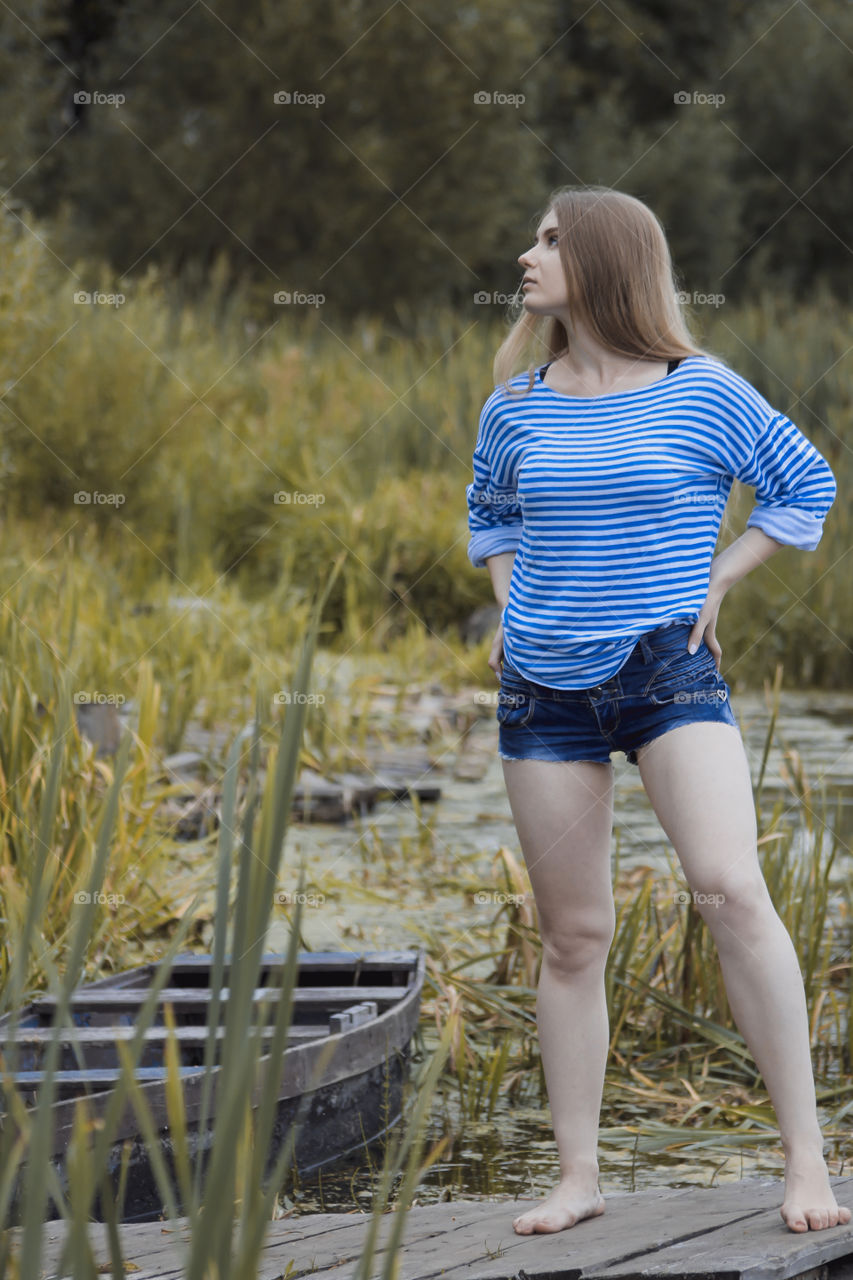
{"x":723,"y":1233}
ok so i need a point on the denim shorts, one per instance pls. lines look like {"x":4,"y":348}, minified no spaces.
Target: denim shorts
{"x":660,"y":686}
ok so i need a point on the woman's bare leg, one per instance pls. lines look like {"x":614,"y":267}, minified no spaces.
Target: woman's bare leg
{"x":563,"y":813}
{"x":697,"y":779}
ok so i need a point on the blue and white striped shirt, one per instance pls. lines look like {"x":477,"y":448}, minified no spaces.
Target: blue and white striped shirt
{"x":613,"y":505}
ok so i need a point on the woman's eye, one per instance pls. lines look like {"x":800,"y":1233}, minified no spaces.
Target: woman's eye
{"x":553,"y":237}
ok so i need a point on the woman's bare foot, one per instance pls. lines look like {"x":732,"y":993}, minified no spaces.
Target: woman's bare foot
{"x":574,"y":1197}
{"x":809,"y":1201}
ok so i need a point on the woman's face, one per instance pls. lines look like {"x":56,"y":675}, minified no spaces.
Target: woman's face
{"x":544,"y":288}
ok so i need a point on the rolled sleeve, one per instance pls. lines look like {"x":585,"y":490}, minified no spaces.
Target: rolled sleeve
{"x":492,"y":542}
{"x":794,"y":485}
{"x":494,"y":513}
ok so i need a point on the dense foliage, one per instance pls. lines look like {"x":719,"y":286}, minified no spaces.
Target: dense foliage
{"x":152,"y":134}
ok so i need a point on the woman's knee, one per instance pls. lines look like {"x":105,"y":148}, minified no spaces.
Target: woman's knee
{"x":570,"y":947}
{"x":741,"y":903}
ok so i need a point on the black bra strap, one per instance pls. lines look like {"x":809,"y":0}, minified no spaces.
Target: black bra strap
{"x":670,"y":368}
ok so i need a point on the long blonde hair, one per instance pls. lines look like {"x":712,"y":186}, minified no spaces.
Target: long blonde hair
{"x":620,"y":280}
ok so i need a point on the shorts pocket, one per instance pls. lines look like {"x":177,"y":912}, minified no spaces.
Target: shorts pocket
{"x":681,"y":674}
{"x":515,"y":706}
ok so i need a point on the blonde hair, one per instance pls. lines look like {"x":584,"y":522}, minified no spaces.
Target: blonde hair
{"x":620,"y":280}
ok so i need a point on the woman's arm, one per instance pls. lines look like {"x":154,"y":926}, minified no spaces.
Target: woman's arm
{"x":750,"y":550}
{"x":494,"y":513}
{"x":794,"y":489}
{"x":500,"y":572}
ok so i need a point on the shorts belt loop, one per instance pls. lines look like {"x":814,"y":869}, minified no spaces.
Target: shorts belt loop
{"x":646,"y":649}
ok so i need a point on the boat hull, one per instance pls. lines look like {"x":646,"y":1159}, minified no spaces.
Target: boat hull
{"x":338,"y":1093}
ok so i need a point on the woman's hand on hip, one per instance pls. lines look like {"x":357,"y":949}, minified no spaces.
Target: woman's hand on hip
{"x":705,"y":625}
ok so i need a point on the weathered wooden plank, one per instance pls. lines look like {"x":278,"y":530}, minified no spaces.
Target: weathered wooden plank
{"x":669,"y":1232}
{"x":493,"y":1251}
{"x":188,"y":997}
{"x":198,"y":964}
{"x":762,"y":1248}
{"x":96,"y":1076}
{"x":153,"y":1035}
{"x":447,"y":1240}
{"x":158,"y":1247}
{"x":639,"y":1225}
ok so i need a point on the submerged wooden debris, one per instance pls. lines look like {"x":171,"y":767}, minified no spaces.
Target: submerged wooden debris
{"x":192,"y":811}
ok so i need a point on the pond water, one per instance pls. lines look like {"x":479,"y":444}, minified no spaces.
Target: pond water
{"x":394,"y":874}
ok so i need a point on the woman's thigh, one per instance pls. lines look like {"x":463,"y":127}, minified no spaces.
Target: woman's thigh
{"x":698,"y":782}
{"x":563,"y":813}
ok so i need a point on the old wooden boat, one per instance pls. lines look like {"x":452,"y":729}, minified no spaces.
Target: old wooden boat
{"x":349,"y":1047}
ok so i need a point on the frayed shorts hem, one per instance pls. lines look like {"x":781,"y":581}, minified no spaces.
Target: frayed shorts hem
{"x":630,"y":755}
{"x":552,"y":759}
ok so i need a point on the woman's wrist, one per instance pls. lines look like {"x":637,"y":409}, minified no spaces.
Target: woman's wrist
{"x":751,"y":549}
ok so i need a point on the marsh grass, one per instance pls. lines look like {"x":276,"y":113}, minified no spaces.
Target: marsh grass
{"x":227,"y":1199}
{"x":197,"y":420}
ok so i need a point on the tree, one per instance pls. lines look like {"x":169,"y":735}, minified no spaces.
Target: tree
{"x":380,"y":180}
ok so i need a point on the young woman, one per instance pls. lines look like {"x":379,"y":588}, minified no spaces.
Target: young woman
{"x":600,"y":479}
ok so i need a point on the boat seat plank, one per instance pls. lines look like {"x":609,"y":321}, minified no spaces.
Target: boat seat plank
{"x":97,"y":1076}
{"x":153,"y":1035}
{"x":308,"y":998}
{"x":317,"y":959}
{"x":309,"y":963}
